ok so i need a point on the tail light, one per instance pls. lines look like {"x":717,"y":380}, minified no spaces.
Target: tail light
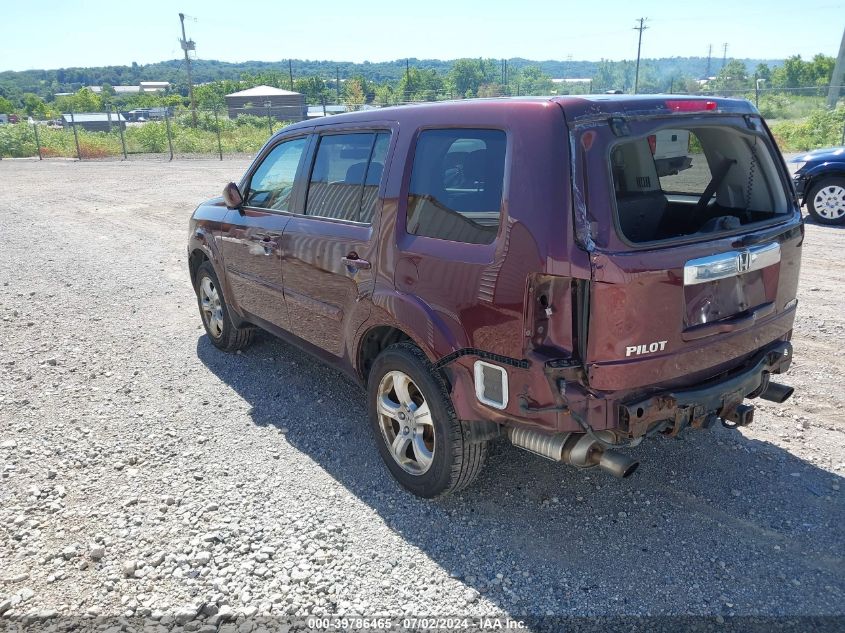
{"x":652,"y":143}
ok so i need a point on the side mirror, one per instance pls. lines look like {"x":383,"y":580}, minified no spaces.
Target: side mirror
{"x":232,"y":196}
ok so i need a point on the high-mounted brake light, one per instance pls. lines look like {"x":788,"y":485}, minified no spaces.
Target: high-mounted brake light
{"x":686,"y":105}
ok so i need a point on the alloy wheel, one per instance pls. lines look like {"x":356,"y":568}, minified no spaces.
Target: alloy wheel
{"x":405,"y":422}
{"x":212,"y":308}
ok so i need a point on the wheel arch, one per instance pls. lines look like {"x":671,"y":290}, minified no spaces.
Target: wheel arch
{"x":201,"y":249}
{"x":397,"y":317}
{"x":196,"y":258}
{"x":815,"y":177}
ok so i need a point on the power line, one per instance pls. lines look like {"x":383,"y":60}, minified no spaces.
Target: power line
{"x":642,"y":27}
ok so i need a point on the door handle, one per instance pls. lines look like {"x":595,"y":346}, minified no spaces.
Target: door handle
{"x":353,"y":261}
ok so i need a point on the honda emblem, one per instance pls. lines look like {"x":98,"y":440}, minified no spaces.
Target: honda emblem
{"x":743,"y":261}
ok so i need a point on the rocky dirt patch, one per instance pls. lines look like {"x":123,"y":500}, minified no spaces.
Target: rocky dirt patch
{"x":147,"y":475}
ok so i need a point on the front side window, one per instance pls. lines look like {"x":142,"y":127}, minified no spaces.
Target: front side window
{"x":272,"y":183}
{"x":346,"y":175}
{"x":457,"y":183}
{"x":682,"y":182}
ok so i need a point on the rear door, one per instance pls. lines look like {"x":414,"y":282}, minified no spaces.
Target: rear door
{"x":692,"y":271}
{"x":329,"y":251}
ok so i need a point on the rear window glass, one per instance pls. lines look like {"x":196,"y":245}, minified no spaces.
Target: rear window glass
{"x":681,"y":181}
{"x":456,"y":185}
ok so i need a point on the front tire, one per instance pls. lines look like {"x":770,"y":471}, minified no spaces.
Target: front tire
{"x":215,"y":314}
{"x":826,"y":201}
{"x":421,"y":441}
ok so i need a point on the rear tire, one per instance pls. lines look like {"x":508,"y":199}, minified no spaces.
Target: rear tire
{"x":826,"y":201}
{"x":215,"y":314}
{"x":422,"y":443}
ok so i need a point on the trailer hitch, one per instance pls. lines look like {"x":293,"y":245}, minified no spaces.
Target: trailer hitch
{"x":742,"y":415}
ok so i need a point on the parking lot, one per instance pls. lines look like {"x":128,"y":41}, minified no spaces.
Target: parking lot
{"x":146,"y":473}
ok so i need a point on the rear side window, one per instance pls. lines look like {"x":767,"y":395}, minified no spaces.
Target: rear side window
{"x":456,"y":185}
{"x":683,"y":182}
{"x":346,"y":175}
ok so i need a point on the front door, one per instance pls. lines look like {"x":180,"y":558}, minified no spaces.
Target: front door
{"x":251,"y":238}
{"x":329,"y":251}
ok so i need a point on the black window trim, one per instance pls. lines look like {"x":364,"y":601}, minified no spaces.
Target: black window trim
{"x":317,"y":137}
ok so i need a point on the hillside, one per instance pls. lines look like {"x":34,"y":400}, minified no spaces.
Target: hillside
{"x":45,"y":83}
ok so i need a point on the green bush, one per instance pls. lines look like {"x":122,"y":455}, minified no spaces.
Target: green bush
{"x":17,"y":141}
{"x":774,"y":106}
{"x":151,"y":137}
{"x":822,"y":128}
{"x":57,"y":142}
{"x":780,"y":106}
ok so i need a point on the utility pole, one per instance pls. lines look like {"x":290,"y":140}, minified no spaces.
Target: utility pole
{"x":724,"y":54}
{"x":337,"y":82}
{"x":189,"y":45}
{"x":407,"y":79}
{"x":642,"y":27}
{"x":836,"y":79}
{"x":290,"y":72}
{"x":709,"y":60}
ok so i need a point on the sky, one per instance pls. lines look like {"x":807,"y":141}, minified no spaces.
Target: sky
{"x":95,"y":33}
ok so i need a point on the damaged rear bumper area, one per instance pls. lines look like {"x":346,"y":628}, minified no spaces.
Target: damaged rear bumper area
{"x":672,"y":411}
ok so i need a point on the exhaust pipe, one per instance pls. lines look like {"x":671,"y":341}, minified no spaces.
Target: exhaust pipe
{"x":777,"y":392}
{"x":575,"y":449}
{"x":617,"y":464}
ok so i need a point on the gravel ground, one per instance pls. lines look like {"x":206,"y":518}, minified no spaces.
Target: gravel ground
{"x":146,"y":473}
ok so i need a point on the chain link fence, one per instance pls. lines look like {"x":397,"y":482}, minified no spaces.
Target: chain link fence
{"x":154,"y":133}
{"x":167,"y":133}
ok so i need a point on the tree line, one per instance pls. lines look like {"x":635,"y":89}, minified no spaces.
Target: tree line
{"x":33,"y":92}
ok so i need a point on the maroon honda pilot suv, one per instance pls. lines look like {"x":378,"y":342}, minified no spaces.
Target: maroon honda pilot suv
{"x":576,"y":273}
